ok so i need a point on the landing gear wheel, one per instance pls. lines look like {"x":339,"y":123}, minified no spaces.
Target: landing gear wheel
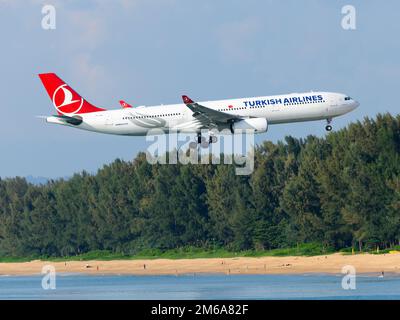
{"x":328,"y":124}
{"x":204,"y":144}
{"x":193,"y":145}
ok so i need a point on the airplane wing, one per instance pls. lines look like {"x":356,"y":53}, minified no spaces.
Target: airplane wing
{"x":209,"y":117}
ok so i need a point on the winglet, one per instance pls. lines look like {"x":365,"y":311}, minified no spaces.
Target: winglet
{"x":125,"y":105}
{"x":187,"y":100}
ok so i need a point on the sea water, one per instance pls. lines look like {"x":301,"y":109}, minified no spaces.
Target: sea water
{"x":306,"y":286}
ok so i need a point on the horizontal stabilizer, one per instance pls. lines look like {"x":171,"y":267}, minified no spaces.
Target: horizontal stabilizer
{"x":62,"y":119}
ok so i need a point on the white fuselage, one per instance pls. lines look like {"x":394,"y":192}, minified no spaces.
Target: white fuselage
{"x":288,"y":108}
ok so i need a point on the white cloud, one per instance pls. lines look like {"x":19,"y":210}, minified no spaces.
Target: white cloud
{"x":87,"y":29}
{"x":92,"y":75}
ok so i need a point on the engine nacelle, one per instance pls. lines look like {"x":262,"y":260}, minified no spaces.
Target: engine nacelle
{"x":257,"y":124}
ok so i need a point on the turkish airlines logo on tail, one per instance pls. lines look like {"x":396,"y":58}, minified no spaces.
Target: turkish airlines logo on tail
{"x":65,"y":101}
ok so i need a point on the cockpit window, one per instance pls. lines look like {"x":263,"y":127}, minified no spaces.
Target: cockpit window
{"x":347,"y":98}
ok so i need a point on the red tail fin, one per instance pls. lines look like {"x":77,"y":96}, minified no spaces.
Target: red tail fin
{"x":65,"y":99}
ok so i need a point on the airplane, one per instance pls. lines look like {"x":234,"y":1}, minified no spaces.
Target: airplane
{"x":236,"y":115}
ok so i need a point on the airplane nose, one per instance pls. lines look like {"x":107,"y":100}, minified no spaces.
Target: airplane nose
{"x":355,"y":104}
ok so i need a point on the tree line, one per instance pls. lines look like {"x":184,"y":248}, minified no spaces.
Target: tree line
{"x":342,"y":190}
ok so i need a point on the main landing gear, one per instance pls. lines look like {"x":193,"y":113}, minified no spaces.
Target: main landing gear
{"x":328,"y":126}
{"x":202,"y":141}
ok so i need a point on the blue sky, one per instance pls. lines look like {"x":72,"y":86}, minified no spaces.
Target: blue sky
{"x":150,"y":52}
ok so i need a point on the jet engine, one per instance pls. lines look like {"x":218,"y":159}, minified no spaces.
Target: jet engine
{"x":257,"y":124}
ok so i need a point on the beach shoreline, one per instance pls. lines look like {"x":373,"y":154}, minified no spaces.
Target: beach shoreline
{"x":324,"y":264}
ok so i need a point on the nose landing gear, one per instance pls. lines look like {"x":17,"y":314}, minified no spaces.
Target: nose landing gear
{"x":328,"y":127}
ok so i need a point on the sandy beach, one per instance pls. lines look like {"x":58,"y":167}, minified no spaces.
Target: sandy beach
{"x":364,"y":263}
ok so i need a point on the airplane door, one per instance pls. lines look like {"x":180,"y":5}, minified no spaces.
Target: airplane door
{"x":333,"y":103}
{"x":108,"y":120}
